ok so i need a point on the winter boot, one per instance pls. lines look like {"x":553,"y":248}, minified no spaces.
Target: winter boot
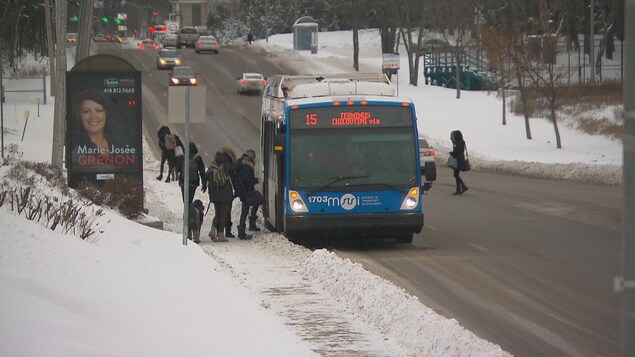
{"x":228,"y":231}
{"x":458,"y":190}
{"x":242,"y":234}
{"x":160,"y":177}
{"x":463,"y":189}
{"x":221,"y":237}
{"x":252,"y":225}
{"x":212,"y":234}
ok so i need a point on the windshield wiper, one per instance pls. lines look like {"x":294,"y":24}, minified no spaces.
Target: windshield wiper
{"x":336,"y":180}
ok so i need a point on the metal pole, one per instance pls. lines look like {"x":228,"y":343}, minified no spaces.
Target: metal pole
{"x":85,"y":29}
{"x":59,"y":117}
{"x":592,"y":44}
{"x":186,"y":167}
{"x":50,"y":44}
{"x":1,"y":104}
{"x":628,"y":219}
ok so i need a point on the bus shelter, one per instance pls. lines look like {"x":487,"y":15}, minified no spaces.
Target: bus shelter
{"x":305,"y":34}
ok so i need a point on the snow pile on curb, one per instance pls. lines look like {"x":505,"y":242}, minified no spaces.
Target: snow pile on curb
{"x":391,"y":310}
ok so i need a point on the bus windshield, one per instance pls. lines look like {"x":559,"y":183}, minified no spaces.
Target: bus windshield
{"x":357,"y":157}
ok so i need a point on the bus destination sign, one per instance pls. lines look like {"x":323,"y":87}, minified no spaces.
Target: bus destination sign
{"x":351,"y":117}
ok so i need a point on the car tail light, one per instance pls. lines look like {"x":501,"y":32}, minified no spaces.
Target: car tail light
{"x":243,"y":82}
{"x":428,"y":153}
{"x":141,"y":46}
{"x":264,"y":83}
{"x":215,"y":43}
{"x":200,"y":43}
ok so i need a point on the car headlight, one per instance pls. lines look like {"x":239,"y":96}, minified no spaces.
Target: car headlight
{"x":193,"y":81}
{"x":174,"y":80}
{"x":162,"y":61}
{"x":177,"y":62}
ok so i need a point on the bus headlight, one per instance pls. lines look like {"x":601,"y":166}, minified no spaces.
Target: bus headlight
{"x":411,"y":200}
{"x":297,"y":203}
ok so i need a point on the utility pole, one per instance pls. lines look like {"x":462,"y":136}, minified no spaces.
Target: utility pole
{"x":51,"y":44}
{"x":592,"y":44}
{"x":85,"y":29}
{"x":627,"y":282}
{"x":59,"y":117}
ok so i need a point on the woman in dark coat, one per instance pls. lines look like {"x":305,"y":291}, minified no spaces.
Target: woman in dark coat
{"x":222,"y":197}
{"x":458,"y":152}
{"x":195,"y":180}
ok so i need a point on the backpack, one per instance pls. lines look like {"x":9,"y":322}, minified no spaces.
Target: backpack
{"x":216,"y":177}
{"x":170,"y":141}
{"x":193,"y":169}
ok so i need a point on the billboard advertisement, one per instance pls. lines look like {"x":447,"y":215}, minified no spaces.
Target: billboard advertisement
{"x":103,"y":136}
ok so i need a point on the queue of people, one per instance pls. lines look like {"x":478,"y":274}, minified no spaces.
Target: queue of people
{"x":225,"y":179}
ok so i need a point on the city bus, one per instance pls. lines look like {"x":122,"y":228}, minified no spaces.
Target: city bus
{"x":340,"y":157}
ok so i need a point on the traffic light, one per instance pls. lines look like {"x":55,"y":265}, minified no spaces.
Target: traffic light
{"x":105,"y":20}
{"x":74,"y":18}
{"x":118,"y":21}
{"x":155,"y":13}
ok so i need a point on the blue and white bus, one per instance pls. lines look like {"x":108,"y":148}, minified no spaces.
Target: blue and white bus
{"x":340,"y":157}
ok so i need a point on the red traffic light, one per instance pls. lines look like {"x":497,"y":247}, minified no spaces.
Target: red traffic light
{"x":155,"y":13}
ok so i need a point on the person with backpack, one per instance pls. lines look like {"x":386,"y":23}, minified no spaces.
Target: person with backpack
{"x":231,"y":157}
{"x":245,"y":189}
{"x":196,"y":173}
{"x":221,"y":192}
{"x":165,"y":152}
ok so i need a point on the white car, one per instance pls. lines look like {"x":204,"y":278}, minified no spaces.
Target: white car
{"x":207,"y":44}
{"x":251,"y":82}
{"x":170,"y":40}
{"x":428,"y":163}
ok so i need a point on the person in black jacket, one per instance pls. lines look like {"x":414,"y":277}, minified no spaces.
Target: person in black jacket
{"x":223,"y":196}
{"x":197,"y":174}
{"x":458,"y":152}
{"x":167,"y":154}
{"x":244,"y":185}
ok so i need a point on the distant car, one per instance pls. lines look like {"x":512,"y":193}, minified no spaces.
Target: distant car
{"x":168,"y":58}
{"x":251,"y":82}
{"x":71,"y":37}
{"x":188,"y":36}
{"x":100,"y":37}
{"x":428,"y":163}
{"x":170,"y":40}
{"x":182,"y":76}
{"x":206,"y":44}
{"x":148,"y":43}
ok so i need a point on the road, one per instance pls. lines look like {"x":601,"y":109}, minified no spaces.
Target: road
{"x":525,"y":263}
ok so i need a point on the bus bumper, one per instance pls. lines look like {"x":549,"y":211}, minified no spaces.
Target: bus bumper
{"x":363,"y":225}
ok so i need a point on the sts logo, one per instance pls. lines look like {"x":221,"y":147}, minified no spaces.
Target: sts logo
{"x":348,"y":201}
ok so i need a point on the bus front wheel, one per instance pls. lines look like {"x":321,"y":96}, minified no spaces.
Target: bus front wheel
{"x":404,"y":238}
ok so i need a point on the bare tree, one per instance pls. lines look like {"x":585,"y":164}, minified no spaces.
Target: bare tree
{"x":503,"y":34}
{"x":542,"y":69}
{"x":456,"y":24}
{"x":411,"y":22}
